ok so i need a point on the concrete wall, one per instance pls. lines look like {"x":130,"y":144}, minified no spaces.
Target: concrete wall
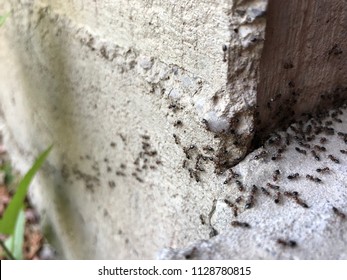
{"x":143,"y":101}
{"x":148,"y":102}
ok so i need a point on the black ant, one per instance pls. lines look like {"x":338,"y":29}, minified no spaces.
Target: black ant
{"x":235,"y":209}
{"x":339,"y":213}
{"x":205,"y":122}
{"x":276,"y":156}
{"x":289,"y":243}
{"x":145,"y":137}
{"x":274,"y":187}
{"x":250,"y":201}
{"x":293,"y":176}
{"x":300,"y":151}
{"x":208,"y":148}
{"x":314,"y":179}
{"x":265,"y":191}
{"x":275,"y":175}
{"x":323,"y":170}
{"x":229,"y":203}
{"x":240,"y":186}
{"x":319,"y":148}
{"x":334,"y":159}
{"x":240,"y":224}
{"x":277,"y":198}
{"x":314,"y":154}
{"x":307,"y":146}
{"x":178,"y":123}
{"x":234,"y":174}
{"x":202,"y":219}
{"x":177,"y":140}
{"x":295,"y":196}
{"x":260,"y":155}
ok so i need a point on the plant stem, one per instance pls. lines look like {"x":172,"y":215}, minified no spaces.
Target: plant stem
{"x":8,"y":253}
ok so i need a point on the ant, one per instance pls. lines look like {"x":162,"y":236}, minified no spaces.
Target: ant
{"x":265,"y":191}
{"x":300,"y":151}
{"x":274,"y":187}
{"x":250,"y":201}
{"x":293,"y":176}
{"x":323,"y":140}
{"x":277,"y":198}
{"x":229,"y":203}
{"x":202,"y":219}
{"x":316,"y":157}
{"x":289,"y":243}
{"x":240,"y":224}
{"x":275,"y":175}
{"x":178,"y":123}
{"x":334,"y":159}
{"x":260,"y":155}
{"x":234,"y":174}
{"x":235,"y":209}
{"x":314,"y":179}
{"x":319,"y":148}
{"x":295,"y":195}
{"x":205,"y":122}
{"x":276,"y":156}
{"x":307,"y":146}
{"x":339,"y":213}
{"x":323,"y":170}
{"x":240,"y":186}
{"x":208,"y":148}
{"x":177,"y":140}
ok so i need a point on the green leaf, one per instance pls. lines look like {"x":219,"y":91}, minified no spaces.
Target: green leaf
{"x":8,"y":221}
{"x":15,"y":242}
{"x":3,"y":19}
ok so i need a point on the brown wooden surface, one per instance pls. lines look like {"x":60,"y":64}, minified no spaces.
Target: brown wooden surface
{"x":303,"y":66}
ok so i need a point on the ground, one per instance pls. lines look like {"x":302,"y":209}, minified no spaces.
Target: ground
{"x":35,"y":245}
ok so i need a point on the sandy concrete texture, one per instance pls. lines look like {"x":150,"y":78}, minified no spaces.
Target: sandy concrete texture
{"x":143,"y":100}
{"x":286,"y":200}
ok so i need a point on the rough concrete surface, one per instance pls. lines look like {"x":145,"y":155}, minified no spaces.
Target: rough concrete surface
{"x":270,"y":220}
{"x":143,"y":102}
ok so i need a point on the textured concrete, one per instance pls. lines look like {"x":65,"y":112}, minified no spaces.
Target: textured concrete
{"x":149,"y":105}
{"x":315,"y":219}
{"x":143,"y":102}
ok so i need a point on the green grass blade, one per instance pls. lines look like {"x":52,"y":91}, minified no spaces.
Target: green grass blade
{"x":18,"y":236}
{"x":9,"y":243}
{"x":3,"y":19}
{"x":8,"y":221}
{"x":15,"y":242}
{"x":5,"y":251}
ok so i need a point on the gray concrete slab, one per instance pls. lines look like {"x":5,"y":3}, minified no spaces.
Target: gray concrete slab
{"x":311,"y":224}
